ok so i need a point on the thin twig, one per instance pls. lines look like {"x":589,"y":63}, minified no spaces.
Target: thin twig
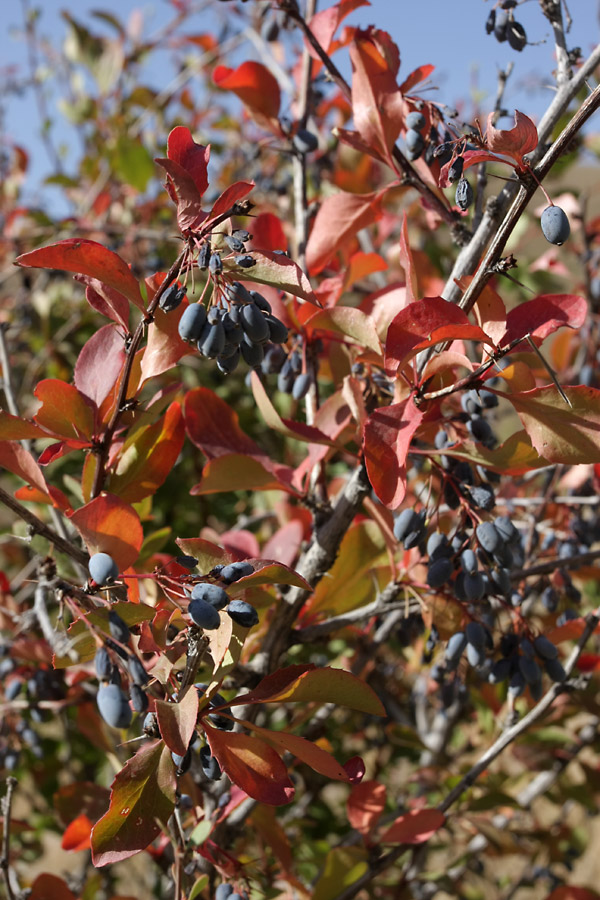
{"x":39,"y":527}
{"x":11,"y":784}
{"x":505,"y":739}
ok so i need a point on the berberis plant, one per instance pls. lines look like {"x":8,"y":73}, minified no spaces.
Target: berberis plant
{"x":301,"y":539}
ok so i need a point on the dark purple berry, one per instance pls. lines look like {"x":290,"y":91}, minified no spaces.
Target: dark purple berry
{"x":242,"y":613}
{"x":204,"y":615}
{"x":192,"y":322}
{"x":235,"y":571}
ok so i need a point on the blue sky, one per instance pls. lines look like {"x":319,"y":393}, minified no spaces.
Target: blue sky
{"x":449,"y":35}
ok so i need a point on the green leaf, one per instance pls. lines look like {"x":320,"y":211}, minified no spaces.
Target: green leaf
{"x":362,"y":561}
{"x":142,"y":800}
{"x":197,"y":891}
{"x":343,"y":866}
{"x":306,"y":684}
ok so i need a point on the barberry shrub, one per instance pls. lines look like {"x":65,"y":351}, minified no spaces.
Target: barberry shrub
{"x":300,"y":478}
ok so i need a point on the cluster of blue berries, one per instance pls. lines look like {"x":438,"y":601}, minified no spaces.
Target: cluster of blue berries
{"x":503,"y":25}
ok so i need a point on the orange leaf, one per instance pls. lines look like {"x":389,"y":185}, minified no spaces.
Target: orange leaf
{"x":415,"y":827}
{"x":254,"y":85}
{"x":65,"y":411}
{"x":517,"y":142}
{"x":365,"y":805}
{"x":77,"y":835}
{"x":109,"y":525}
{"x":148,"y":456}
{"x":350,"y":213}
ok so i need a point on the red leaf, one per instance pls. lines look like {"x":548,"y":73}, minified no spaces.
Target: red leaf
{"x":251,"y":764}
{"x":193,"y":157}
{"x":570,"y":892}
{"x":544,"y":315}
{"x":416,"y":76}
{"x":106,"y":300}
{"x":177,"y":721}
{"x":517,"y":142}
{"x":65,"y":411}
{"x":99,"y":364}
{"x":237,"y":472}
{"x":324,"y":24}
{"x":148,"y":456}
{"x":339,"y":219}
{"x":109,"y":525}
{"x":50,"y":887}
{"x":387,"y":436}
{"x":230,"y":196}
{"x":77,"y":835}
{"x":365,"y":805}
{"x":275,"y":269}
{"x":142,"y":800}
{"x":423,"y":324}
{"x":254,"y":85}
{"x":415,"y":827}
{"x":268,"y":233}
{"x":377,"y":104}
{"x":309,"y":753}
{"x":86,"y":258}
{"x":184,"y":193}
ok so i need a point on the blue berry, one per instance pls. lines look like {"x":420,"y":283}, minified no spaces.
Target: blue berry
{"x":415,"y":120}
{"x":113,"y":706}
{"x":211,"y":593}
{"x":204,"y":615}
{"x":242,"y":613}
{"x":192,"y":322}
{"x":102,"y":568}
{"x":235,"y":571}
{"x":555,"y":225}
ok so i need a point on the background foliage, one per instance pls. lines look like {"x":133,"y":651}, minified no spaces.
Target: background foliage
{"x":422,"y":763}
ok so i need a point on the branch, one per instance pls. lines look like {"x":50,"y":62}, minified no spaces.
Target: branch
{"x":11,"y":784}
{"x":410,"y":175}
{"x":505,"y":739}
{"x":497,"y":206}
{"x":38,"y":527}
{"x":386,"y":602}
{"x":100,"y":473}
{"x":313,"y":565}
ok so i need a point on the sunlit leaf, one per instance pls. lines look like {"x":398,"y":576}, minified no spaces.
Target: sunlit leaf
{"x":177,"y":721}
{"x":109,"y":525}
{"x":388,"y":433}
{"x":86,"y":258}
{"x":142,"y":801}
